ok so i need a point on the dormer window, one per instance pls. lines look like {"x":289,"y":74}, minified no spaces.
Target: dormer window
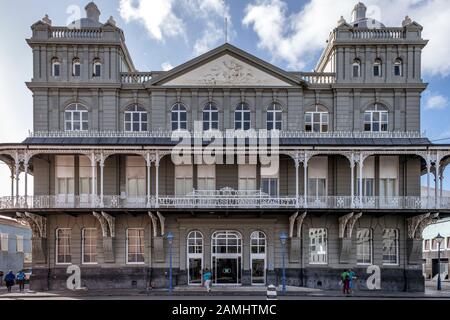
{"x":97,"y":68}
{"x":398,"y":68}
{"x":76,"y":67}
{"x":56,"y":67}
{"x":377,"y":68}
{"x":356,"y":67}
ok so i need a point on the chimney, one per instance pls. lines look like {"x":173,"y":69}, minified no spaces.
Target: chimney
{"x":359,"y":12}
{"x":92,"y":12}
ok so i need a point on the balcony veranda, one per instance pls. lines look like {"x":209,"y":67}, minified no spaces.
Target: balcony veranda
{"x":220,"y":200}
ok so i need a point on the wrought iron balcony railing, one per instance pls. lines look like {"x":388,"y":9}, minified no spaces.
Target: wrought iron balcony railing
{"x":222,"y":201}
{"x":227,"y":133}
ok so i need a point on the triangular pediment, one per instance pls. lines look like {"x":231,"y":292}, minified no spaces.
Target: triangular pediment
{"x":227,"y":66}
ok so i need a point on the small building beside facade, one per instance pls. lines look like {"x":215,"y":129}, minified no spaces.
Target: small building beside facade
{"x":15,"y":245}
{"x":430,"y":250}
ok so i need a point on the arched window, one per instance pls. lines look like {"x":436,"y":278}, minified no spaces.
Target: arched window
{"x":258,"y":242}
{"x":242,"y":117}
{"x":210,"y":117}
{"x":364,"y":246}
{"x":76,"y":118}
{"x":226,"y":242}
{"x":195,"y":257}
{"x":398,"y":67}
{"x":390,"y":246}
{"x":89,"y":246}
{"x":317,"y":120}
{"x":56,"y":67}
{"x":135,"y":119}
{"x":179,"y":117}
{"x":356,"y":67}
{"x":377,"y":68}
{"x":274,"y":117}
{"x":76,"y":67}
{"x":97,"y":67}
{"x":258,"y":249}
{"x":318,"y":245}
{"x":376,"y":119}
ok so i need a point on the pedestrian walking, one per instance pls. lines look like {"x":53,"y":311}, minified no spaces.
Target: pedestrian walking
{"x":21,"y":280}
{"x":345,"y":278}
{"x":9,"y":280}
{"x":352,"y":276}
{"x":207,"y":280}
{"x":1,"y":278}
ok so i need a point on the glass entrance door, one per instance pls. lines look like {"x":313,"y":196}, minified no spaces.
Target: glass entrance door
{"x":258,"y":270}
{"x":226,"y":270}
{"x":195,"y":271}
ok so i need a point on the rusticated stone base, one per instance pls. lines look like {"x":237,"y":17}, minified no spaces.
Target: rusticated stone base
{"x":143,"y":278}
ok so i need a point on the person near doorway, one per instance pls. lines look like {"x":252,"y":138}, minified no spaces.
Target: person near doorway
{"x":21,"y":280}
{"x":352,"y":276}
{"x":345,"y":278}
{"x":207,"y":276}
{"x":9,"y":280}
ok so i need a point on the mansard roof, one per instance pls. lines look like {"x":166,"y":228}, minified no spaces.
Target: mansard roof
{"x":227,"y":49}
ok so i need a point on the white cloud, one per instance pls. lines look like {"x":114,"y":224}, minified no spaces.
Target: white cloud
{"x":210,"y":37}
{"x":297,"y":38}
{"x":171,"y":18}
{"x":166,"y":66}
{"x":436,"y":102}
{"x":156,"y":15}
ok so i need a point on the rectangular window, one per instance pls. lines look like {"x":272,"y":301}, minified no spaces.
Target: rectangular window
{"x":56,"y":70}
{"x":317,"y":177}
{"x":270,"y":186}
{"x":364,"y":246}
{"x":136,"y":177}
{"x":85,"y":176}
{"x":65,"y":173}
{"x":89,"y":246}
{"x":4,"y":242}
{"x":318,"y":246}
{"x":63,"y":241}
{"x":376,"y":71}
{"x":135,"y":246}
{"x":206,"y":177}
{"x":247,"y":177}
{"x":390,"y":246}
{"x":77,"y":70}
{"x":316,"y":121}
{"x":376,"y":121}
{"x":19,"y":244}
{"x":184,"y":176}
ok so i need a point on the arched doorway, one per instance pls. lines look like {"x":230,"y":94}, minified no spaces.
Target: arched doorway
{"x":258,"y":261}
{"x":195,"y":257}
{"x":226,"y":257}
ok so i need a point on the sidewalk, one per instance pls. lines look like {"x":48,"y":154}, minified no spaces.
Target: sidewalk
{"x":300,"y":292}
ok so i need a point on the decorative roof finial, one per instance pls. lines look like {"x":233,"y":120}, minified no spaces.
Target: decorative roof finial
{"x":47,"y":20}
{"x":407,"y":21}
{"x":341,"y":21}
{"x":112,"y":21}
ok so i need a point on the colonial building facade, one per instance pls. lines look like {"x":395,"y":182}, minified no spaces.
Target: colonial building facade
{"x":108,"y":188}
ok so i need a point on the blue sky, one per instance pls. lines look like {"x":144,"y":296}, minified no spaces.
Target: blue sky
{"x":165,"y":33}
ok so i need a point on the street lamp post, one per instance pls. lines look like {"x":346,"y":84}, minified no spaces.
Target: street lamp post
{"x":439,"y":240}
{"x":170,"y":237}
{"x":283,"y":238}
